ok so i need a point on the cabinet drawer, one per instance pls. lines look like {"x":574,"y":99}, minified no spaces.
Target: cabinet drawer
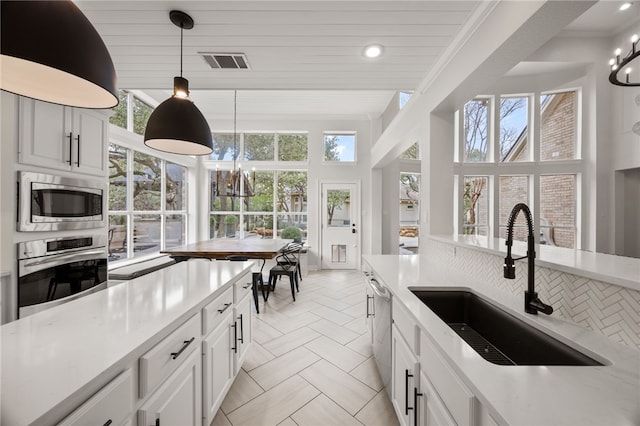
{"x":406,"y":324}
{"x":458,"y":399}
{"x":214,"y":311}
{"x":112,"y":403}
{"x":166,"y":356}
{"x":243,"y":287}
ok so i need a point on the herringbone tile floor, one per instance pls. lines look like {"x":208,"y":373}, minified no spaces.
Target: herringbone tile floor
{"x":311,"y":361}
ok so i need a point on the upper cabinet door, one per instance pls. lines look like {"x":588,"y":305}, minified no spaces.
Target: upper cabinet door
{"x":62,"y":138}
{"x":45,"y":134}
{"x":90,"y":133}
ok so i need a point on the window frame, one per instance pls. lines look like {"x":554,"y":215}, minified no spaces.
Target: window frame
{"x":340,"y":133}
{"x":533,"y":168}
{"x":276,"y":166}
{"x":121,"y":140}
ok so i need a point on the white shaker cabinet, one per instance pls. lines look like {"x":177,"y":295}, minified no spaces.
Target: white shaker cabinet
{"x":404,"y":378}
{"x":178,"y":401}
{"x":111,"y":405}
{"x":243,"y":330}
{"x":63,"y":138}
{"x":218,"y":353}
{"x":431,"y":410}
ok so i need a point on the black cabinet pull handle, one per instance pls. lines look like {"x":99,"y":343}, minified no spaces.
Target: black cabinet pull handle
{"x":241,"y":329}
{"x":235,"y":338}
{"x":158,"y":421}
{"x":186,"y":343}
{"x":226,"y":306}
{"x":70,"y":146}
{"x":246,"y":286}
{"x":416,"y":394}
{"x":108,"y":422}
{"x":78,"y":151}
{"x":406,"y":391}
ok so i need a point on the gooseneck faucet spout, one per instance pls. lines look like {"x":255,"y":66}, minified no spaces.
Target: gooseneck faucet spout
{"x":532,"y":304}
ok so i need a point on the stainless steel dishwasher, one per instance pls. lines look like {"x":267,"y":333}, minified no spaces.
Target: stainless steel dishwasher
{"x":379,"y":325}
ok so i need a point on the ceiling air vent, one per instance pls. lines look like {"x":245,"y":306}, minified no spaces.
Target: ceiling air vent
{"x":226,"y":61}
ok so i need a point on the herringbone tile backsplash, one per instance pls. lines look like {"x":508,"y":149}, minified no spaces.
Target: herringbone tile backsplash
{"x":608,"y":309}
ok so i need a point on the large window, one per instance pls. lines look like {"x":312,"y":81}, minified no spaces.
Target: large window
{"x":147,"y":203}
{"x":275,"y":177}
{"x":510,"y":164}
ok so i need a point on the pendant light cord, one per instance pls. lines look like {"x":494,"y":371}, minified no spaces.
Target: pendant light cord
{"x":235,"y":134}
{"x":181,"y":38}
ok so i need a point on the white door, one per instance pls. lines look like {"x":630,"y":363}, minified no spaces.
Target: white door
{"x":340,"y":217}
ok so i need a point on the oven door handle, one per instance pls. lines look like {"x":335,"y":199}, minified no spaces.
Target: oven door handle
{"x":378,"y":289}
{"x":61,"y":259}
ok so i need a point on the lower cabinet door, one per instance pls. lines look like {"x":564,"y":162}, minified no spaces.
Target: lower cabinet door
{"x":217,"y":366}
{"x":243,"y":330}
{"x":431,"y":410}
{"x":404,"y":378}
{"x":110,"y":405}
{"x":178,"y":401}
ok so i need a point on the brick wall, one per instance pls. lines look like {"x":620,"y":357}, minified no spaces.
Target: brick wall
{"x":557,"y":193}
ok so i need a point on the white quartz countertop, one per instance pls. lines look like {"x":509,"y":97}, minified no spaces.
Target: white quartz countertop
{"x":52,"y":356}
{"x":523,"y":395}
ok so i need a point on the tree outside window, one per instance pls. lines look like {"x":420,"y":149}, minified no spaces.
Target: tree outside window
{"x":340,"y":147}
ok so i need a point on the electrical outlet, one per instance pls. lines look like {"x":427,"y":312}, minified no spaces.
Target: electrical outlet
{"x":451,"y":250}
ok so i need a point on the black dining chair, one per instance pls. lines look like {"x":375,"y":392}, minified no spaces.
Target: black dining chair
{"x":256,"y":279}
{"x":291,"y":256}
{"x":287,"y":264}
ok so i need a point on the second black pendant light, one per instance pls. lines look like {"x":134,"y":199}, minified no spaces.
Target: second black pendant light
{"x":177,"y":125}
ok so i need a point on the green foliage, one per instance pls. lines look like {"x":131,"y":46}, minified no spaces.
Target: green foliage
{"x":230,"y":219}
{"x":331,"y":148}
{"x":119,"y":117}
{"x":292,"y":147}
{"x":291,"y":233}
{"x":335,"y":200}
{"x":141,"y":114}
{"x":259,"y":147}
{"x":412,"y":153}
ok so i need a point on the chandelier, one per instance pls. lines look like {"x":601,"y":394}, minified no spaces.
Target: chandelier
{"x":617,"y":64}
{"x":235,"y":182}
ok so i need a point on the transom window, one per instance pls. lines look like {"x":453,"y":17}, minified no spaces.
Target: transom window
{"x":339,"y":147}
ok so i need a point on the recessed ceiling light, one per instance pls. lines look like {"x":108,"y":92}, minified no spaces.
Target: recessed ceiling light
{"x":626,"y":5}
{"x":373,"y":51}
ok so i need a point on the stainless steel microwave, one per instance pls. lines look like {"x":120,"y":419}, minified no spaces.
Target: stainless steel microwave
{"x":53,"y":203}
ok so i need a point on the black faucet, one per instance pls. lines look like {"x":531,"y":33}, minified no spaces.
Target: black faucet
{"x":532,"y":304}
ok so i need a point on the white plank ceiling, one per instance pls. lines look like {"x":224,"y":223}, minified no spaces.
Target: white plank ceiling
{"x":305,"y":56}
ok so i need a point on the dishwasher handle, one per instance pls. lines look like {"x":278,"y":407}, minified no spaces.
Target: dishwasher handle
{"x":379,"y":289}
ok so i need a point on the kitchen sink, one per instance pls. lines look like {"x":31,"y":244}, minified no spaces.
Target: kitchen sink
{"x":496,"y":335}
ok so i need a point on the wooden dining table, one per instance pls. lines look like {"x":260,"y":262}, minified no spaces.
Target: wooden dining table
{"x":229,"y":248}
{"x":222,"y":248}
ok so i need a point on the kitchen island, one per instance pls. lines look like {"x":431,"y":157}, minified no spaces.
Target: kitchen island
{"x":515,"y":395}
{"x":53,"y":361}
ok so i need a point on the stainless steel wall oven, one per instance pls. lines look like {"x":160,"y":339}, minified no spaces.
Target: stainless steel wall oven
{"x":57,"y":270}
{"x":52,"y":203}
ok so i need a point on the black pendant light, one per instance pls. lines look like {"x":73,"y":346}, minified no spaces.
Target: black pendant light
{"x":177,"y":125}
{"x":51,"y":52}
